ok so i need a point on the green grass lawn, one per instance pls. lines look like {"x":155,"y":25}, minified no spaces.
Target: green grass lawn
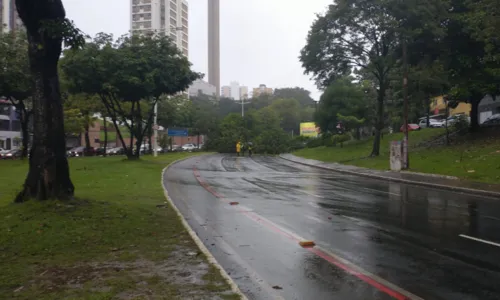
{"x":477,"y":160}
{"x":117,"y":240}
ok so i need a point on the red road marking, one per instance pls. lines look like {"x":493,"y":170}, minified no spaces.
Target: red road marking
{"x":361,"y":276}
{"x":255,"y":217}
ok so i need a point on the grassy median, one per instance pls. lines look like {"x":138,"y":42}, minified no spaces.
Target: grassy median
{"x":117,"y":240}
{"x":475,"y":159}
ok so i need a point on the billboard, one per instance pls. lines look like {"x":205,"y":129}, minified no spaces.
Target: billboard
{"x":309,"y":129}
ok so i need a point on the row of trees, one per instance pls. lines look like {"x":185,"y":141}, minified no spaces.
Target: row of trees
{"x":446,"y":47}
{"x":123,"y":78}
{"x":221,"y":121}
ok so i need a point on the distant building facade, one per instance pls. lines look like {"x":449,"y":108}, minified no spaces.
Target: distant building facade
{"x":225,"y":91}
{"x":243,"y":92}
{"x":168,"y":17}
{"x":488,"y":107}
{"x":202,"y":87}
{"x":10,"y":126}
{"x":9,"y":19}
{"x":262,"y":90}
{"x":235,"y":90}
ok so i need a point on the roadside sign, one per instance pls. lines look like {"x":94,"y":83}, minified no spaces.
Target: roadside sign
{"x":177,"y":132}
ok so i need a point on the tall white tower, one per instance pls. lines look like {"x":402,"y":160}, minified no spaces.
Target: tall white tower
{"x":214,"y":44}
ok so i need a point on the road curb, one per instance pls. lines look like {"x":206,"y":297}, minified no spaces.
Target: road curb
{"x":400,"y":180}
{"x":211,"y":259}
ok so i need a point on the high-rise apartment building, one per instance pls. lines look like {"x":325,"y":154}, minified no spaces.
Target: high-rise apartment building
{"x":9,"y":19}
{"x":244,"y":92}
{"x":168,"y":17}
{"x":235,"y":90}
{"x":225,"y":91}
{"x":262,"y":90}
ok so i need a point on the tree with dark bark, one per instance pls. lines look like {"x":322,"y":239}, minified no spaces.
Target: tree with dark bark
{"x":129,"y":75}
{"x":87,"y":106}
{"x":342,"y":97}
{"x":47,"y":27}
{"x":353,"y":35}
{"x":471,"y":55}
{"x":16,"y":82}
{"x":367,"y":36}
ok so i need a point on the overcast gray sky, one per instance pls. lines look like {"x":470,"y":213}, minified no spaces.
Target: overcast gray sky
{"x":260,"y":39}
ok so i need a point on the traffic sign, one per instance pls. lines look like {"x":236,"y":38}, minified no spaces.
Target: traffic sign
{"x":177,"y":132}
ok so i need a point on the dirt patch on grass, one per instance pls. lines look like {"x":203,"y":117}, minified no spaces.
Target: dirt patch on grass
{"x":184,"y":275}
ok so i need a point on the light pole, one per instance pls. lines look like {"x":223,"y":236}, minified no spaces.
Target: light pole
{"x":243,"y":107}
{"x":155,"y":126}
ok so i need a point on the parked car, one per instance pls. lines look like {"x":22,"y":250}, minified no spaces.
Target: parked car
{"x":453,"y":119}
{"x":99,"y":151}
{"x":81,"y":151}
{"x":2,"y":150}
{"x":115,"y":151}
{"x":492,"y":120}
{"x":411,"y":127}
{"x":12,"y":154}
{"x":174,"y":148}
{"x":189,"y":147}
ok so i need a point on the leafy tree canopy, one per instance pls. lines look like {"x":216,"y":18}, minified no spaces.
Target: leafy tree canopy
{"x":129,"y":74}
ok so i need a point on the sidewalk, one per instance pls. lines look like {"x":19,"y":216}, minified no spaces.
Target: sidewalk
{"x":429,"y":180}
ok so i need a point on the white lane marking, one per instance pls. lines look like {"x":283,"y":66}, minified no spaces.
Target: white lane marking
{"x":315,"y":219}
{"x":479,"y":240}
{"x":310,"y":194}
{"x":314,"y":205}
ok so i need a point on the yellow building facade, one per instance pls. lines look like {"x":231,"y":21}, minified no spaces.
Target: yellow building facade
{"x":438,"y":106}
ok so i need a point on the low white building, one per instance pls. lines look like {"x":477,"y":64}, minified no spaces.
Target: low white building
{"x":10,"y":126}
{"x":203,"y":87}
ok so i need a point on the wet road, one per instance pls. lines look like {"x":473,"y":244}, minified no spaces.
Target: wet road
{"x":374,"y":239}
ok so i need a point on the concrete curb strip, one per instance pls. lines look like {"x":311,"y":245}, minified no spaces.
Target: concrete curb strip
{"x":194,"y":236}
{"x":401,"y":180}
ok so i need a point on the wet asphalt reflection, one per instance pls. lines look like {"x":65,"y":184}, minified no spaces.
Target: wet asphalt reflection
{"x":382,"y":240}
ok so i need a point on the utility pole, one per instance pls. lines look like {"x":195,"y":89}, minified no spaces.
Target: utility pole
{"x":243,"y":107}
{"x":406,"y":156}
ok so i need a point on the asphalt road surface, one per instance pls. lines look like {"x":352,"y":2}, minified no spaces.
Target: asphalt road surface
{"x":374,"y":239}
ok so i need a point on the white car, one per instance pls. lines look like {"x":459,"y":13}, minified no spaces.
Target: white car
{"x":189,"y":147}
{"x":433,"y":123}
{"x":2,"y":151}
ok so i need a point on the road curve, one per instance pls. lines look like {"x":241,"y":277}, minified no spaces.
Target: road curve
{"x":374,"y":239}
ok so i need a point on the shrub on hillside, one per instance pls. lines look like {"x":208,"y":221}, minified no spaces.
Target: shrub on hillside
{"x":341,"y":139}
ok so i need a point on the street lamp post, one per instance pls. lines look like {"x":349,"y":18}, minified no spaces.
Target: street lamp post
{"x":243,"y":107}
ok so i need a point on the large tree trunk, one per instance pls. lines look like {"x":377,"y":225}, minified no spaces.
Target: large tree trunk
{"x":474,"y":118}
{"x":105,"y":124}
{"x":379,"y":125}
{"x":25,"y":133}
{"x":48,"y":176}
{"x":87,"y":137}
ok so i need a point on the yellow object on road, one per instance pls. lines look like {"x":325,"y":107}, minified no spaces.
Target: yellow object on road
{"x":238,"y":147}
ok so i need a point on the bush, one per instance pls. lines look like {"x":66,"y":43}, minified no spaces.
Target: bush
{"x":314,"y":143}
{"x":461,"y":124}
{"x":341,"y":139}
